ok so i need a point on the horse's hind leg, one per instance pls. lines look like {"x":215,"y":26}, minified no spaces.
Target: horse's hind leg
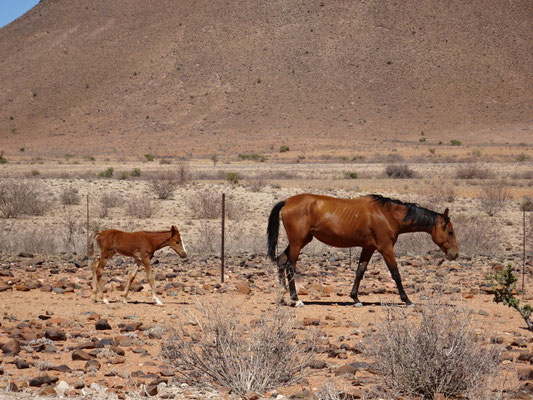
{"x":364,"y":259}
{"x":290,"y":267}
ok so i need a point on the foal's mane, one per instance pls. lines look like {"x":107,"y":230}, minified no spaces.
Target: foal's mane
{"x":414,"y":213}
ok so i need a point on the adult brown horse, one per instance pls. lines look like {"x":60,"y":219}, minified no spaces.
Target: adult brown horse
{"x":141,"y":246}
{"x":372,"y":222}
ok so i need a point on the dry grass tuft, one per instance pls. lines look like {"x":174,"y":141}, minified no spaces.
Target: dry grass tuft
{"x":494,"y":196}
{"x":140,"y":207}
{"x":440,"y":355}
{"x":399,"y":171}
{"x":223,"y":351}
{"x":23,"y":198}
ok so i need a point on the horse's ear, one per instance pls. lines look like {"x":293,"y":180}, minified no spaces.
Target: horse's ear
{"x":173,"y":229}
{"x":446,"y":213}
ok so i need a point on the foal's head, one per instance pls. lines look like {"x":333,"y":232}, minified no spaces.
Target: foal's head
{"x":444,"y":236}
{"x":176,"y":243}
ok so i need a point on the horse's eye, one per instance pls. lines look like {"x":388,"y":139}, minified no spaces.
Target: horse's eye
{"x":450,"y":233}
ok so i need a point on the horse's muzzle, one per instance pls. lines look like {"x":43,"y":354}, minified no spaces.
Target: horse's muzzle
{"x":452,"y":253}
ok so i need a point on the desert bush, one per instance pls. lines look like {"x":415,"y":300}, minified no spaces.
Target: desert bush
{"x":473,"y":171}
{"x":135,"y":172}
{"x":233,"y":177}
{"x":107,"y":201}
{"x":164,"y":184}
{"x":284,"y":149}
{"x":455,"y":142}
{"x":504,"y":283}
{"x":438,"y":355}
{"x":3,"y":160}
{"x":493,"y":196}
{"x":23,"y":197}
{"x":350,"y":175}
{"x":70,"y":196}
{"x":257,"y":183}
{"x":34,"y":241}
{"x":331,"y":392}
{"x":107,"y":173}
{"x":149,"y":157}
{"x":399,"y":171}
{"x":74,"y":228}
{"x":140,"y":207}
{"x":253,"y":157}
{"x":245,"y":358}
{"x":206,"y":204}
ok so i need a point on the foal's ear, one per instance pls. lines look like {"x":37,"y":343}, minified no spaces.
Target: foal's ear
{"x":173,"y":229}
{"x":446,"y":213}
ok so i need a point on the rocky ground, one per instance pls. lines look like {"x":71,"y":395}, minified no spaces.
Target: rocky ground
{"x":56,"y":341}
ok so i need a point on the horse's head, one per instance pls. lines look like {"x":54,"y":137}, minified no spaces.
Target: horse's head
{"x":176,"y":243}
{"x":444,"y":236}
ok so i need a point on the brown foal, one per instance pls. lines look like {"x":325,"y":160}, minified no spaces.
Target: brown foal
{"x":141,"y":246}
{"x":372,"y":222}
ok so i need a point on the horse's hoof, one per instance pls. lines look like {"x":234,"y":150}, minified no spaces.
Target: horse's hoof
{"x":409,"y":304}
{"x":158,"y":302}
{"x":358,"y":304}
{"x":299,"y":303}
{"x":105,"y":301}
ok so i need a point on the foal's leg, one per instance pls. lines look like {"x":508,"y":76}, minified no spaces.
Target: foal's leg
{"x":131,"y":277}
{"x":148,"y":269}
{"x":364,"y":259}
{"x":98,"y":270}
{"x":388,"y":256}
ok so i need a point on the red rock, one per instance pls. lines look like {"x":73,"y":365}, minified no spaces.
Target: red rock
{"x":47,"y":391}
{"x":243,"y":288}
{"x":55,"y":334}
{"x":11,"y":348}
{"x":346,"y":369}
{"x":117,"y":360}
{"x":43,"y":380}
{"x":130,"y":326}
{"x":525,"y":373}
{"x":102,"y":325}
{"x":80,"y":355}
{"x":311,"y":321}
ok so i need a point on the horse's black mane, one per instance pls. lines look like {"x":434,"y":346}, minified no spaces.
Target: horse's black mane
{"x":414,"y":213}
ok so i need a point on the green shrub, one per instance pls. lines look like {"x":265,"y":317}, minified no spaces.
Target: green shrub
{"x":455,"y":142}
{"x":108,"y":173}
{"x":284,"y":149}
{"x":504,"y":283}
{"x":350,"y":175}
{"x":3,"y":160}
{"x":149,"y":157}
{"x":422,"y":139}
{"x":135,"y":172}
{"x":233,"y":177}
{"x":253,"y":157}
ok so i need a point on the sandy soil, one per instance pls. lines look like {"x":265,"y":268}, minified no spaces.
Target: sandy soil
{"x":51,"y":288}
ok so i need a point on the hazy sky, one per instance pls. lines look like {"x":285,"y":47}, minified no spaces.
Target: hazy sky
{"x":12,"y":9}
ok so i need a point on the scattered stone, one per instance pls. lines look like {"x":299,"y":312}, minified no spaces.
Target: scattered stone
{"x":93,"y":364}
{"x":243,"y":288}
{"x":151,"y":390}
{"x":311,"y":321}
{"x":47,"y":391}
{"x":4,"y":287}
{"x":61,"y":368}
{"x":43,"y":380}
{"x":130,"y":326}
{"x":102,"y":325}
{"x":79,"y":354}
{"x":22,"y":364}
{"x":55,"y":334}
{"x":318,"y":364}
{"x":525,"y":373}
{"x":11,"y":348}
{"x":346,"y":369}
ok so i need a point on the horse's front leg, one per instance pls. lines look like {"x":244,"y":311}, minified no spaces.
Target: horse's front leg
{"x":148,"y":269}
{"x":130,"y":280}
{"x":281,"y":262}
{"x":364,"y":259}
{"x":98,"y":270}
{"x":388,"y":256}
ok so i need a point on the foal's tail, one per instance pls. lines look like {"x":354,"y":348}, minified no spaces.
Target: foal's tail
{"x":90,"y":243}
{"x":273,"y":230}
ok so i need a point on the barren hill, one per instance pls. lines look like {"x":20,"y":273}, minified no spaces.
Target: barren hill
{"x":174,"y":77}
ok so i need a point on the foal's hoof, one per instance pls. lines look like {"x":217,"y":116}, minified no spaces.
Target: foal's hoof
{"x":105,"y":301}
{"x":358,"y":304}
{"x":409,"y":304}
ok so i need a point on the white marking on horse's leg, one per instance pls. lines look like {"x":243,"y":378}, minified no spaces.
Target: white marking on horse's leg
{"x":299,"y":303}
{"x":105,"y":301}
{"x":157,"y":301}
{"x":358,"y":304}
{"x":183,"y":246}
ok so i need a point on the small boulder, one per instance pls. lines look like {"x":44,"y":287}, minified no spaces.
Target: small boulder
{"x":43,"y":380}
{"x":79,"y":354}
{"x":11,"y":348}
{"x":102,"y":325}
{"x":55,"y":334}
{"x":346,"y":369}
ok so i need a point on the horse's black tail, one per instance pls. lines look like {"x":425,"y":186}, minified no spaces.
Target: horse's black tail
{"x":273,"y":230}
